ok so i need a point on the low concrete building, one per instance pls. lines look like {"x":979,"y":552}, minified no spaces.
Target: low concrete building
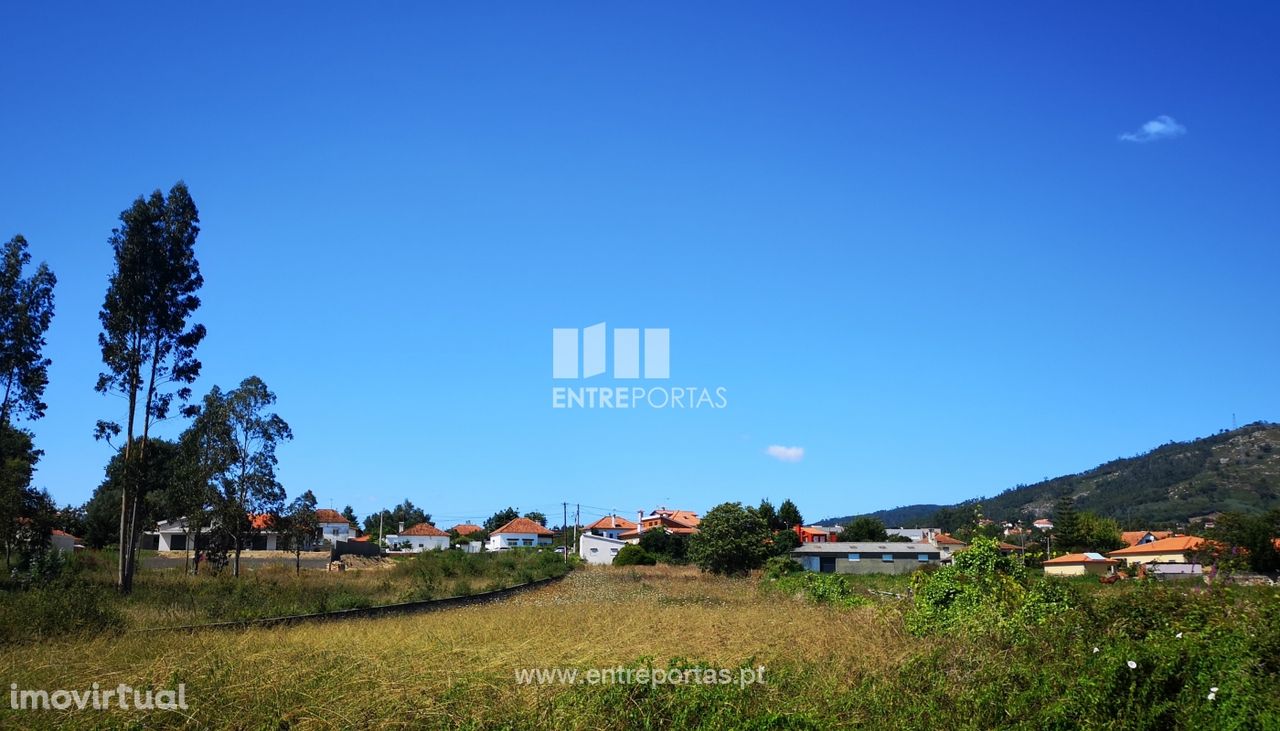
{"x":599,"y":550}
{"x":1079,"y":564}
{"x":866,"y":557}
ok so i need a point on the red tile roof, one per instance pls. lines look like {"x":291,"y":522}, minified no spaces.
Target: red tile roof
{"x":523,"y":525}
{"x":942,"y":539}
{"x":1074,"y":558}
{"x":1175,"y":544}
{"x":262,"y":522}
{"x":57,"y":532}
{"x":1131,"y":537}
{"x":466,"y":529}
{"x":610,"y":522}
{"x":328,"y":515}
{"x":424,"y":529}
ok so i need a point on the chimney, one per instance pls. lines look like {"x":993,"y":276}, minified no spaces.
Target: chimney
{"x":402,"y":526}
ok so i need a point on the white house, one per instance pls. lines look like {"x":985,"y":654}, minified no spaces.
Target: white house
{"x":334,"y":526}
{"x":419,"y":538}
{"x":64,"y":541}
{"x":596,"y":549}
{"x":173,"y":535}
{"x":610,"y":526}
{"x":519,"y":533}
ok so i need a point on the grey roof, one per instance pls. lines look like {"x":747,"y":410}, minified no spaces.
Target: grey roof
{"x":865,"y":547}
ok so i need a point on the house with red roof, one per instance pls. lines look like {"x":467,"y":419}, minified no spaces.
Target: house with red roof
{"x":611,"y":526}
{"x":1079,"y":564}
{"x":419,"y":538}
{"x":682,"y":522}
{"x":64,"y":541}
{"x":1173,"y":549}
{"x":1140,"y":537}
{"x":466,"y":529}
{"x":334,"y":526}
{"x":519,"y":533}
{"x":816,"y":534}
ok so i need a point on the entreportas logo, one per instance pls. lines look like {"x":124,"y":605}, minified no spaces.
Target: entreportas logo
{"x":572,"y":347}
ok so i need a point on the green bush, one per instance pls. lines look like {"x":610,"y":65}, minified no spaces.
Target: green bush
{"x":62,"y":607}
{"x":633,"y":555}
{"x":780,"y":566}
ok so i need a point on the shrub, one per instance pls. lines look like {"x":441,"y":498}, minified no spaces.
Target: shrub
{"x":632,"y":555}
{"x":780,"y":566}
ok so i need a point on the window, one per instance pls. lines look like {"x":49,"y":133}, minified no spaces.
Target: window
{"x":512,"y":542}
{"x":528,"y":541}
{"x":886,"y":557}
{"x":595,"y":550}
{"x":922,"y":557}
{"x":855,"y":557}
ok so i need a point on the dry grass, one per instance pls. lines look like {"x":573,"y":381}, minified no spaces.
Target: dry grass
{"x":456,"y":667}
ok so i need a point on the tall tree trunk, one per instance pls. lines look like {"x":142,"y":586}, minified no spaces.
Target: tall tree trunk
{"x":124,"y":579}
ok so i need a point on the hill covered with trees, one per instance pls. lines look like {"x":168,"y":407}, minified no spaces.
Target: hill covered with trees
{"x":1232,"y":471}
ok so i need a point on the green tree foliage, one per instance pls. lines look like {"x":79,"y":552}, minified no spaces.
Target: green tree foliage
{"x":27,"y":515}
{"x":147,"y":347}
{"x":250,"y":488}
{"x":865,"y":528}
{"x":784,"y":542}
{"x":980,"y":584}
{"x":731,"y":540}
{"x":1066,"y":524}
{"x":499,"y":519}
{"x":1095,"y":533}
{"x":390,"y":520}
{"x":666,"y":547}
{"x":633,"y":555}
{"x":769,"y":514}
{"x":789,"y":514}
{"x":1250,"y":537}
{"x":26,"y":309}
{"x":350,"y":515}
{"x":300,"y":526}
{"x":535,"y":516}
{"x":156,"y":481}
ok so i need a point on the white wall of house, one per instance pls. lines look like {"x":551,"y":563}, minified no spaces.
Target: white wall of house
{"x":334,"y":532}
{"x":503,"y":541}
{"x":599,"y":549}
{"x":63,"y":542}
{"x":419,"y":543}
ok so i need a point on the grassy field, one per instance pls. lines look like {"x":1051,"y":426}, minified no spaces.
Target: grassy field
{"x":826,"y":666}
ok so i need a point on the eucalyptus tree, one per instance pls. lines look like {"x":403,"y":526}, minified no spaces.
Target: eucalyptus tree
{"x":26,"y":309}
{"x":148,"y":346}
{"x":251,"y":494}
{"x":208,"y":450}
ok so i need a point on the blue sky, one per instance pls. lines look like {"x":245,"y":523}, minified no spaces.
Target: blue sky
{"x":913,"y":241}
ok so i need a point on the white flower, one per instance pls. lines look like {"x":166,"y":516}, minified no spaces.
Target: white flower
{"x":1095,"y":650}
{"x":1214,"y":689}
{"x":1179,"y":635}
{"x":1132,"y":665}
{"x":1212,"y":695}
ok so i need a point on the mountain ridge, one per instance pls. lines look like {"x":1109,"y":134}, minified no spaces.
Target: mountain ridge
{"x":1173,"y":484}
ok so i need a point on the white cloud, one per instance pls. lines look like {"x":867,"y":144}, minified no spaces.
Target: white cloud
{"x":1163,"y":127}
{"x":785,"y":454}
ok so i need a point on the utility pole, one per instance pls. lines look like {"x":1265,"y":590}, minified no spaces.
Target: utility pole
{"x":564,"y":530}
{"x":577,"y":518}
{"x":380,"y":539}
